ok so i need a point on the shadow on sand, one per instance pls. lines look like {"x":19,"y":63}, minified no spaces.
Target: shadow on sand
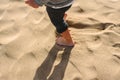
{"x":44,"y":71}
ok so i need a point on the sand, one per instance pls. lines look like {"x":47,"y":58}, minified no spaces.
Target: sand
{"x":28,"y":50}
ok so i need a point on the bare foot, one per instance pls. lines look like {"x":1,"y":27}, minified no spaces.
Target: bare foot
{"x":32,"y":3}
{"x":62,"y":42}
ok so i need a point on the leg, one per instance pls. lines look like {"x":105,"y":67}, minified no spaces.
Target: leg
{"x":57,"y":17}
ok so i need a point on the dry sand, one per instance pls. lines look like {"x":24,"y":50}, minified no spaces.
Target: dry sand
{"x":28,"y":50}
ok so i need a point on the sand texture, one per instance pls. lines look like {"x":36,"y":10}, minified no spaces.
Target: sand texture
{"x":28,"y":50}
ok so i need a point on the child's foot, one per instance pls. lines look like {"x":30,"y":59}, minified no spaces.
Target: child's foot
{"x":62,"y":42}
{"x":32,"y":3}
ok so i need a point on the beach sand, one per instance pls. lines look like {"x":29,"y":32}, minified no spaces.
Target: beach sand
{"x":28,"y":50}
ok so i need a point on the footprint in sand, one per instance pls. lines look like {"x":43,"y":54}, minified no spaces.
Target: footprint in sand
{"x":115,"y":28}
{"x":117,"y":45}
{"x":117,"y":56}
{"x":94,"y":42}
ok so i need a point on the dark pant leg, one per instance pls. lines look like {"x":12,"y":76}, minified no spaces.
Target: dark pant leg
{"x":56,"y":17}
